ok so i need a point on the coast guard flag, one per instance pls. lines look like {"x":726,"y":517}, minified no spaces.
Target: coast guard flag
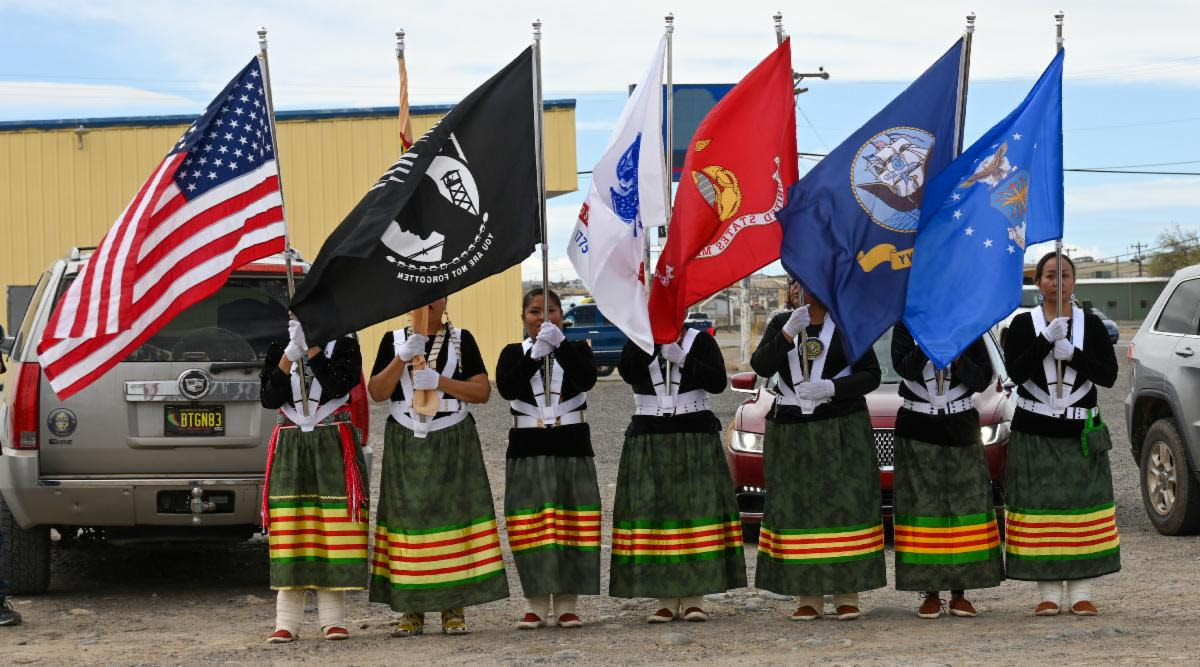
{"x":849,"y":224}
{"x":1003,"y":194}
{"x":738,"y":164}
{"x":460,"y":205}
{"x":210,"y":206}
{"x":628,"y":187}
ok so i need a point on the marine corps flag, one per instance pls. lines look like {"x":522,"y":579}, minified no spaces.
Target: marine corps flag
{"x":738,"y":165}
{"x":459,"y":206}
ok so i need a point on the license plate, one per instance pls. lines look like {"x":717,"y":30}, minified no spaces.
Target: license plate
{"x":194,"y":420}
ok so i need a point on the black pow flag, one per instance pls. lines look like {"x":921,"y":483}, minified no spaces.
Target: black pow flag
{"x":461,"y":205}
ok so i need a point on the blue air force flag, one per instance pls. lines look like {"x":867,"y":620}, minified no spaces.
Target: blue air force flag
{"x":1003,"y":194}
{"x":628,"y":191}
{"x":849,"y":224}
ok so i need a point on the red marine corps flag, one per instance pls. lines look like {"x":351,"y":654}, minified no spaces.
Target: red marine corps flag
{"x":735,"y":177}
{"x":211,"y":205}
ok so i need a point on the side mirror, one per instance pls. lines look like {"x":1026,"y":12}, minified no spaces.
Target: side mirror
{"x":745,"y":382}
{"x":568,"y":322}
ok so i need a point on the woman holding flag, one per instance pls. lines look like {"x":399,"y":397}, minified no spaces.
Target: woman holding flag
{"x":676,"y":531}
{"x":436,"y":543}
{"x":945,"y":524}
{"x":822,"y":530}
{"x":1061,"y":518}
{"x":551,"y":497}
{"x":314,"y":497}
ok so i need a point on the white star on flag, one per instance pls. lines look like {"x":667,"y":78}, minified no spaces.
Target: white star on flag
{"x":1017,"y":136}
{"x":970,"y":231}
{"x":987,"y":243}
{"x":955,"y":196}
{"x":957,"y":215}
{"x":1011,"y":250}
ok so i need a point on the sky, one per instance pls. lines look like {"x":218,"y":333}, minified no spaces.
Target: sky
{"x":1131,"y":90}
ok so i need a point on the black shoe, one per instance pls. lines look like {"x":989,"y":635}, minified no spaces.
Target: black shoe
{"x":8,"y":615}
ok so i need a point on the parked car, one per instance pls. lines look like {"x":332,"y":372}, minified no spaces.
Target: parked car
{"x":1114,"y":332}
{"x":586,"y":322}
{"x":744,"y":435}
{"x":169,"y":444}
{"x":701,"y":321}
{"x":1162,"y":410}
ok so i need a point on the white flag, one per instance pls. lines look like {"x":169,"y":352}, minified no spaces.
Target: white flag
{"x":627,"y":194}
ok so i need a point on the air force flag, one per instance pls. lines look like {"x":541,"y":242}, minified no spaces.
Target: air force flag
{"x":1003,"y":194}
{"x":627,"y":192}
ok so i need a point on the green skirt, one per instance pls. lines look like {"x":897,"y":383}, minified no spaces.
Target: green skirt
{"x":945,"y":523}
{"x":1061,"y":520}
{"x":436,"y":541}
{"x":676,"y":531}
{"x":313,"y":541}
{"x":822,"y":528}
{"x":552,"y":516}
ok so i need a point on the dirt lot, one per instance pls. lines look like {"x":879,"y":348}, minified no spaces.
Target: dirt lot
{"x":191,"y":604}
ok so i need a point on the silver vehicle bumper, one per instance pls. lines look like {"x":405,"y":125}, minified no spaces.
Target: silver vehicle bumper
{"x":107,"y":500}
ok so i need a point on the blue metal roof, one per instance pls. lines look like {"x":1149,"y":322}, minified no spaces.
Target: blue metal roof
{"x":280,"y":116}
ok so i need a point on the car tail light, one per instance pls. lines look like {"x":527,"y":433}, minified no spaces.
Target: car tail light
{"x":1129,"y":353}
{"x":712,"y":331}
{"x":25,"y":408}
{"x":360,"y":408}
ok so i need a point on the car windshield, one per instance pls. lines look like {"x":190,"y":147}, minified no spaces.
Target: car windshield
{"x":883,"y":351}
{"x":238,"y":323}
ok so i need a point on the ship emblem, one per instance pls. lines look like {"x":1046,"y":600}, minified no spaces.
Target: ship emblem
{"x":888,"y":176}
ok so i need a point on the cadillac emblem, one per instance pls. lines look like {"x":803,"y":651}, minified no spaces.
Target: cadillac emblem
{"x":194,"y":384}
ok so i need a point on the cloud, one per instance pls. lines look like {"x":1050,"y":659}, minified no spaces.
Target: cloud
{"x":36,"y":99}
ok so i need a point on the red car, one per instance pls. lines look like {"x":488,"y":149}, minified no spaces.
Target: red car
{"x":744,"y":435}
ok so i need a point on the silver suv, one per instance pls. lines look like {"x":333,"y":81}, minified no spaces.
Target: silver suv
{"x":169,"y":444}
{"x":1162,"y":410}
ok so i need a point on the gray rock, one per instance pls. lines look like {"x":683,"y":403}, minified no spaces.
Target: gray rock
{"x":716,"y":597}
{"x":254,"y":599}
{"x":88,"y":642}
{"x":567,"y":654}
{"x":768,"y":595}
{"x":630,"y":604}
{"x":815,"y":641}
{"x":755,"y":604}
{"x":1110,"y":632}
{"x":846,"y":643}
{"x":675,"y":639}
{"x":81,"y":612}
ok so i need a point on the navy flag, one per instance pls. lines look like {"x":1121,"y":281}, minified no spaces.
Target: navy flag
{"x":1002,"y":195}
{"x":460,"y":205}
{"x":849,"y":224}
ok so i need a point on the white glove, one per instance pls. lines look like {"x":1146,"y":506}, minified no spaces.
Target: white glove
{"x":426,"y":378}
{"x":1063,"y":349}
{"x":817,"y":390}
{"x":540,"y":349}
{"x":1056,"y":330}
{"x":798,"y":321}
{"x":296,"y":346}
{"x":551,"y":334}
{"x":672,"y":352}
{"x":413,"y":346}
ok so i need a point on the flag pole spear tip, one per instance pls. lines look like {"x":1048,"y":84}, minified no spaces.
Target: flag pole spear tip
{"x":971,"y":22}
{"x":537,"y":29}
{"x":670,"y":19}
{"x":400,"y":43}
{"x":262,"y":37}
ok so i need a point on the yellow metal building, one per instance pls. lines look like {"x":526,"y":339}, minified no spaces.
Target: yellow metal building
{"x":63,"y":183}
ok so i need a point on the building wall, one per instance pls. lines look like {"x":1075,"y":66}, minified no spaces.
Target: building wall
{"x":55,"y":195}
{"x":1124,"y":300}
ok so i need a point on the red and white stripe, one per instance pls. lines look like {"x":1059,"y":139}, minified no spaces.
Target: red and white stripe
{"x":163,"y":254}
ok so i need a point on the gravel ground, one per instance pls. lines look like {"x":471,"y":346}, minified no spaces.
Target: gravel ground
{"x":210,"y":603}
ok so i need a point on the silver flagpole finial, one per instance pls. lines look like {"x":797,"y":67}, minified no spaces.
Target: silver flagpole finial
{"x":1058,"y":29}
{"x":262,"y":38}
{"x":971,"y":22}
{"x":670,"y":19}
{"x":537,"y":29}
{"x":400,"y":43}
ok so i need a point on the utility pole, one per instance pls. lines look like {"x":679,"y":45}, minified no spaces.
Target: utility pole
{"x":1138,"y":257}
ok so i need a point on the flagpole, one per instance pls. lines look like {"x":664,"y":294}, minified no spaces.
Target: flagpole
{"x":668,"y":154}
{"x":804,"y":365}
{"x":540,"y":161}
{"x":289,"y":252}
{"x":960,"y":124}
{"x":403,"y":112}
{"x":1058,"y":244}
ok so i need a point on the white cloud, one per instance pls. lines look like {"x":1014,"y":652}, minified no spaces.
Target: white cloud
{"x":560,"y":218}
{"x":29,"y":99}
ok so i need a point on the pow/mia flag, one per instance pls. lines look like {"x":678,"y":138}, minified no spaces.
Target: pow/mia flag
{"x":460,"y":205}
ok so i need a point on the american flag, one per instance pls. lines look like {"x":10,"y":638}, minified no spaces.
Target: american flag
{"x":212,"y":205}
